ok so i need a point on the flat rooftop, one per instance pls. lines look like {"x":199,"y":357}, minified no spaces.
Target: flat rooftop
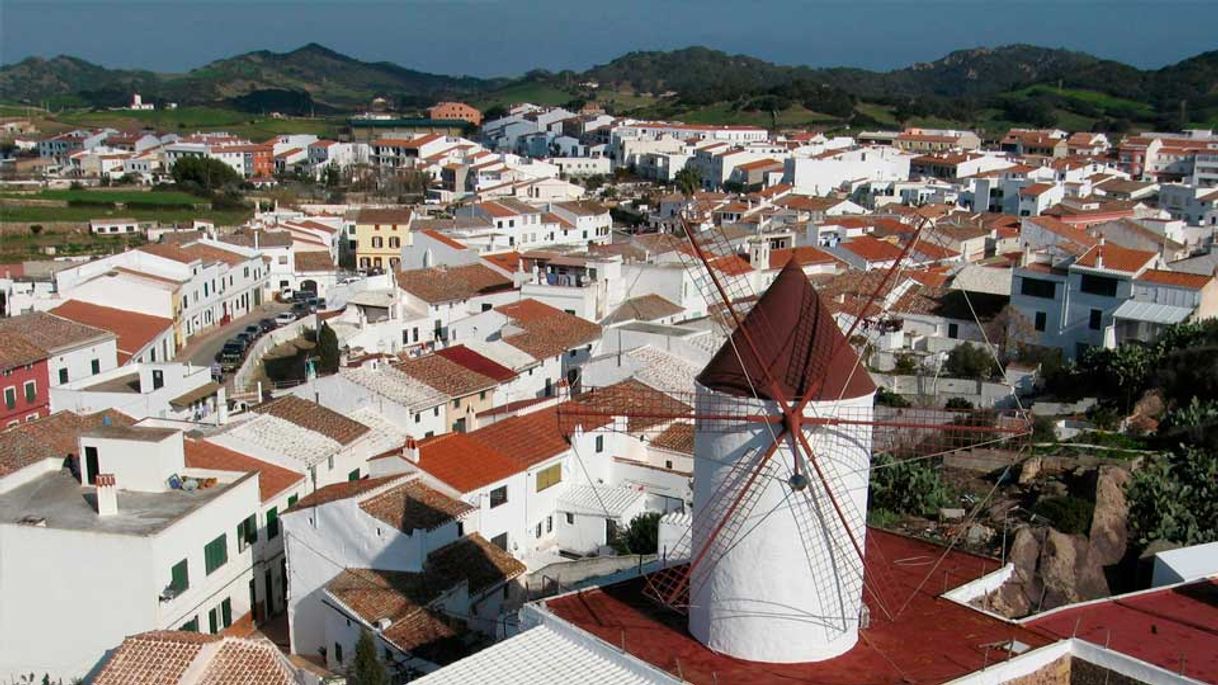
{"x":62,"y":502}
{"x":660,"y":329}
{"x":933,"y":640}
{"x":126,"y":383}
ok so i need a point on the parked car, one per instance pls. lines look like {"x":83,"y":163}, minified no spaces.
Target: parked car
{"x":301,"y":295}
{"x":253,"y":331}
{"x":245,"y":338}
{"x":230,"y":362}
{"x":285,"y":294}
{"x":237,"y":342}
{"x":267,"y":325}
{"x":321,"y":304}
{"x":285,"y":318}
{"x":300,"y":309}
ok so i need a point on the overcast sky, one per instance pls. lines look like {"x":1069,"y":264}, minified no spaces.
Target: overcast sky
{"x":508,"y":37}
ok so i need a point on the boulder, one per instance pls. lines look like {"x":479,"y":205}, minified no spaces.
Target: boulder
{"x":1109,"y":533}
{"x":1029,"y":470}
{"x":1059,"y":562}
{"x":1025,"y":550}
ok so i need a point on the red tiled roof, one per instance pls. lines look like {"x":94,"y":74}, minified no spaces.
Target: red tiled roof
{"x":443,"y":239}
{"x":414,"y":506}
{"x":1173,"y":628}
{"x":1116,"y":258}
{"x":51,"y":437}
{"x":644,"y":308}
{"x":731,"y":265}
{"x":446,"y":375}
{"x":15,"y":350}
{"x":313,"y":261}
{"x":803,"y":256}
{"x":337,"y":491}
{"x":872,"y":249}
{"x":51,"y":333}
{"x":463,"y":463}
{"x":548,"y":332}
{"x":272,"y":479}
{"x":384,"y":215}
{"x":508,"y":261}
{"x":445,"y":284}
{"x":159,"y":657}
{"x":477,"y":363}
{"x":1178,"y":279}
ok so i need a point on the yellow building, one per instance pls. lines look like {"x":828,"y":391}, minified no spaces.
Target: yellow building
{"x":380,"y":235}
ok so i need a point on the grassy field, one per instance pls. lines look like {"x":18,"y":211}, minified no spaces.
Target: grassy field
{"x":536,"y":93}
{"x":16,"y":247}
{"x":17,"y":214}
{"x":190,"y":119}
{"x":128,"y":197}
{"x":881,"y":113}
{"x":1109,"y":103}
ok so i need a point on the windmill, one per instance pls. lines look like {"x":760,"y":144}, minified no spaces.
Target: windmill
{"x":784,"y":430}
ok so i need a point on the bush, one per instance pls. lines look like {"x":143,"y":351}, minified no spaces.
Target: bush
{"x":327,"y":350}
{"x":35,"y":228}
{"x":907,"y":486}
{"x":641,"y":536}
{"x":887,"y":398}
{"x":1071,"y":515}
{"x":958,"y":403}
{"x":906,"y":364}
{"x":1174,"y":497}
{"x":971,"y":361}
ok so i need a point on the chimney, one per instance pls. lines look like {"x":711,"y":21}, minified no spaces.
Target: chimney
{"x":410,"y":450}
{"x":1099,"y":254}
{"x":471,"y":419}
{"x":107,"y":494}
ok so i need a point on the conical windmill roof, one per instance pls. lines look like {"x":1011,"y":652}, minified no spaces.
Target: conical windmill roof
{"x":797,"y":339}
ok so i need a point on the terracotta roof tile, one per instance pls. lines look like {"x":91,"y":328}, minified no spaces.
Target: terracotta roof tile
{"x":247,"y":662}
{"x":15,"y":350}
{"x":508,"y":261}
{"x":272,"y":479}
{"x":445,"y":375}
{"x":153,"y":658}
{"x":644,"y":308}
{"x":623,"y":399}
{"x":337,"y":491}
{"x":1117,"y":258}
{"x":476,"y":561}
{"x":399,"y":216}
{"x":679,"y":437}
{"x":872,"y":249}
{"x":414,"y":506}
{"x":463,"y":463}
{"x":804,"y":256}
{"x":313,"y":261}
{"x":49,"y":332}
{"x":134,"y":330}
{"x":1179,"y":279}
{"x":51,"y":437}
{"x":445,"y":284}
{"x":314,"y":417}
{"x":477,"y":363}
{"x":547,"y":332}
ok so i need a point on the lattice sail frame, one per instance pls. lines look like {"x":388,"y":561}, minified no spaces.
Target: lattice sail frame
{"x":908,"y":433}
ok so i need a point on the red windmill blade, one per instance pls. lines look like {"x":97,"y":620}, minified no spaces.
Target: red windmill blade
{"x":786,"y":381}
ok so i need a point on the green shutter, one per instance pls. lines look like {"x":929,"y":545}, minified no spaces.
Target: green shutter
{"x":272,"y":523}
{"x":10,"y":397}
{"x":212,"y":624}
{"x":180,"y":577}
{"x":215,"y":554}
{"x":292,"y":501}
{"x":226,"y":612}
{"x":31,"y":392}
{"x":191,"y":626}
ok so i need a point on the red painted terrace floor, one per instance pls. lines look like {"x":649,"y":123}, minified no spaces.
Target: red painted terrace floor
{"x":1176,"y":628}
{"x":932,"y":640}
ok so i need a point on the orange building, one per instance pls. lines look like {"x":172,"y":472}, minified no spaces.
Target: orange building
{"x":455,"y":110}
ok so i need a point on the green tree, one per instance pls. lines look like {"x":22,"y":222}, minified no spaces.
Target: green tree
{"x":204,"y":175}
{"x":971,"y":361}
{"x":327,"y":349}
{"x":689,"y":181}
{"x":642,"y":536}
{"x":366,"y":668}
{"x":906,"y":364}
{"x":958,"y":403}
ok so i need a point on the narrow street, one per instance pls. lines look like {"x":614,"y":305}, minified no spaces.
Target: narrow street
{"x":202,"y":349}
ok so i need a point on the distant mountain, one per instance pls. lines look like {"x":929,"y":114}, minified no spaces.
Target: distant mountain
{"x":1025,"y":83}
{"x":319,"y":76}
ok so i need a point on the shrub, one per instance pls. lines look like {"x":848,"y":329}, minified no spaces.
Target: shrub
{"x":887,"y":398}
{"x":35,"y":228}
{"x":906,"y":364}
{"x":1071,"y":515}
{"x":1174,"y":497}
{"x":958,"y":403}
{"x":971,"y":361}
{"x":641,"y":536}
{"x":907,"y":486}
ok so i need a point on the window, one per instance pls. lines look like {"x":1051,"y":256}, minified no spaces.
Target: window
{"x":338,"y":652}
{"x":549,"y":476}
{"x":537,"y":534}
{"x":1098,"y":285}
{"x":31,"y":391}
{"x":600,"y":444}
{"x":1036,"y":287}
{"x":247,"y":532}
{"x":378,"y":241}
{"x":395,"y":242}
{"x":191,"y":626}
{"x":435,"y":411}
{"x":498,"y":496}
{"x":354,"y":475}
{"x":570,"y":518}
{"x":158,"y":379}
{"x":500,"y":541}
{"x":272,"y":523}
{"x":292,"y":501}
{"x":482,"y":395}
{"x":213,"y":622}
{"x":1042,"y":320}
{"x":1096,"y":320}
{"x":226,"y":612}
{"x":486,"y":306}
{"x":460,"y":529}
{"x":215,"y":554}
{"x":330,"y":462}
{"x":457,"y":403}
{"x":95,"y":366}
{"x":549,"y":524}
{"x":953,"y":330}
{"x":91,"y":467}
{"x":63,"y":375}
{"x":10,"y":397}
{"x":668,"y":464}
{"x":179,"y":578}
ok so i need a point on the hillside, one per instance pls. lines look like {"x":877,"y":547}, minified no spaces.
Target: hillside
{"x":983,"y":87}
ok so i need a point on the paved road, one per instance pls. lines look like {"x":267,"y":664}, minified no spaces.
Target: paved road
{"x":202,"y":349}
